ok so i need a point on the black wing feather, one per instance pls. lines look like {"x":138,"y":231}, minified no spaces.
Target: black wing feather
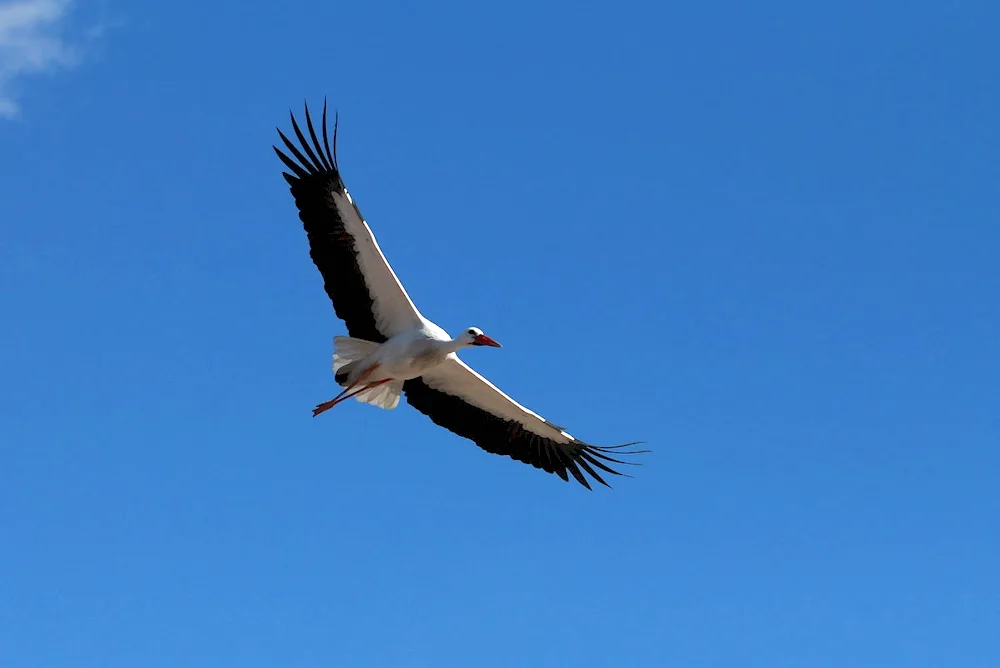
{"x":326,"y":140}
{"x":330,"y":246}
{"x":319,"y":149}
{"x":315,"y":164}
{"x":507,"y":437}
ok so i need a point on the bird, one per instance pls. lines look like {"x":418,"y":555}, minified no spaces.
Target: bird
{"x":391,"y":349}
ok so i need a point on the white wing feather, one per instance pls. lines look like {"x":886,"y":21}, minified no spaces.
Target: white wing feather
{"x":455,"y":377}
{"x":395,"y":312}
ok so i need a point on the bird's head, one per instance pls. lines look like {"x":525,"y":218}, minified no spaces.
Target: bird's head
{"x":474,"y":336}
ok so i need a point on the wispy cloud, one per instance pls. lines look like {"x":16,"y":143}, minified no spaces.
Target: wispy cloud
{"x":32,"y":42}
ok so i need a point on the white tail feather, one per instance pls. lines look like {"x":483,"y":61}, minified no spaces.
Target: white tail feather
{"x":347,"y":349}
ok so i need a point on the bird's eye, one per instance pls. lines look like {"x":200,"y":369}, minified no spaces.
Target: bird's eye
{"x":472,"y":332}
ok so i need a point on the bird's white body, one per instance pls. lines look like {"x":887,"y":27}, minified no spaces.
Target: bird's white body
{"x":386,"y":366}
{"x":412,"y":353}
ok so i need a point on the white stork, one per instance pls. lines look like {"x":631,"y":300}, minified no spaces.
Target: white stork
{"x":393,"y":349}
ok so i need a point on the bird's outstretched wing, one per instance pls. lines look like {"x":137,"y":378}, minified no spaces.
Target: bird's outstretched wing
{"x":365,"y":292}
{"x":457,"y":398}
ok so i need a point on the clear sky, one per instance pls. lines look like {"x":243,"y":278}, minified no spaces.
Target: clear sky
{"x":762,"y":237}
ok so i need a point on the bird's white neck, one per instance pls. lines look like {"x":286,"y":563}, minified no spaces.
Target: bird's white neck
{"x":452,"y":346}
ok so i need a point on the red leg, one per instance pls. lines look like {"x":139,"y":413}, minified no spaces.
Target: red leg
{"x":327,"y":405}
{"x":336,"y":399}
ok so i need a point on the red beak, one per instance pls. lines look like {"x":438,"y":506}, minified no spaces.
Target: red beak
{"x":483,"y":340}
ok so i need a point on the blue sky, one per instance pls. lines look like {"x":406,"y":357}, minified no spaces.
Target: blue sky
{"x":762,"y":237}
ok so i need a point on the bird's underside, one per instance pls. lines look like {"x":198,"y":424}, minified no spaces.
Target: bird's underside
{"x":369,"y":298}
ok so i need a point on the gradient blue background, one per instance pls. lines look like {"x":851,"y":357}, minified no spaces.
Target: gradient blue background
{"x":762,"y":237}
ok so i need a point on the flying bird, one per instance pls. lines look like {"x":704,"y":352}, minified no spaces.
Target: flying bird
{"x":392,"y":349}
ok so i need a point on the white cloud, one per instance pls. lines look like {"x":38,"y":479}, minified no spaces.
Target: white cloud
{"x":31,"y":43}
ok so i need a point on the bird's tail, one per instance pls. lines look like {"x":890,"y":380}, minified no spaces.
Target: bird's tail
{"x":350,"y":360}
{"x":347,"y":351}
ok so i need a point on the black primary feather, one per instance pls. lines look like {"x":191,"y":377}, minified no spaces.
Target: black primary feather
{"x":314,"y":176}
